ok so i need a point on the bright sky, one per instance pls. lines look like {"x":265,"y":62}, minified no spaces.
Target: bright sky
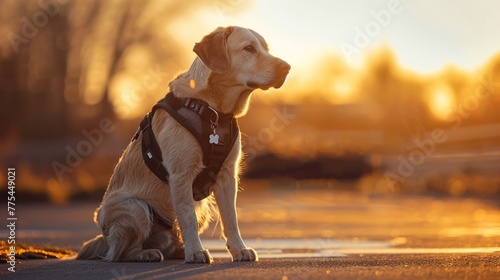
{"x":426,"y":35}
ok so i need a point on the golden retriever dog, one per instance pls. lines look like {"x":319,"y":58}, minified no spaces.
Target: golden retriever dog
{"x":144,"y":219}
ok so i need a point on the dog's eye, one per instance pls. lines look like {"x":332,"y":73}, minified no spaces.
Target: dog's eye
{"x":250,"y":48}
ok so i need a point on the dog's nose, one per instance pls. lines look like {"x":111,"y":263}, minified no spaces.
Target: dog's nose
{"x":284,"y":67}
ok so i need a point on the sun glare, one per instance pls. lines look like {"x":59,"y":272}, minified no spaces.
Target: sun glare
{"x":342,"y":91}
{"x":441,"y":102}
{"x":124,"y":98}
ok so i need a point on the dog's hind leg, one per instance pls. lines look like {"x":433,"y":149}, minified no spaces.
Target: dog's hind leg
{"x":93,"y":249}
{"x":166,"y":239}
{"x":126,"y":224}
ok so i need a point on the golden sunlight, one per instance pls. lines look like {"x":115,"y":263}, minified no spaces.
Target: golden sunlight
{"x":441,"y":101}
{"x":342,"y":91}
{"x":124,"y":96}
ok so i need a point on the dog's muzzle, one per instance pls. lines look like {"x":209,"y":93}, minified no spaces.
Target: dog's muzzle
{"x":280,"y":72}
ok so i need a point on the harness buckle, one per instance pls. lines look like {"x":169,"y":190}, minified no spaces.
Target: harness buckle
{"x":192,"y":105}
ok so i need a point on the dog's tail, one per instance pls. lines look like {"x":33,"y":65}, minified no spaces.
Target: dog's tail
{"x":93,"y":249}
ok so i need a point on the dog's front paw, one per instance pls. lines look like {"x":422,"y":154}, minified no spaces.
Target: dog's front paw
{"x":244,"y":254}
{"x":202,"y":256}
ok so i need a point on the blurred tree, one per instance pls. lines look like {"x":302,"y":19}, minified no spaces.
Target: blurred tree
{"x":58,"y":58}
{"x":32,"y":67}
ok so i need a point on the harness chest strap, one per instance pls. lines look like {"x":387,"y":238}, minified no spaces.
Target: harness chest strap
{"x":197,"y":117}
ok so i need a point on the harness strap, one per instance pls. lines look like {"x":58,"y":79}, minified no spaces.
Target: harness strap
{"x":151,"y":152}
{"x":214,"y":155}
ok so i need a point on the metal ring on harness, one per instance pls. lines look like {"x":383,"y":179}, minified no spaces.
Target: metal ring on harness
{"x":214,"y":124}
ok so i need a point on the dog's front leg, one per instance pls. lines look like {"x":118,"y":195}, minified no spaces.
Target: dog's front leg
{"x":225,"y":196}
{"x":182,"y":201}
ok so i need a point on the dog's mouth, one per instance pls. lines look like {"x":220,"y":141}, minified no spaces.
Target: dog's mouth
{"x":280,"y":81}
{"x":254,"y":85}
{"x":276,"y":83}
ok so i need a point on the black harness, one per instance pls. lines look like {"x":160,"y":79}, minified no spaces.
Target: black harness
{"x":216,"y":133}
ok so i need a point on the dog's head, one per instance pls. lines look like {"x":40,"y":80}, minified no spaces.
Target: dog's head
{"x":231,"y":63}
{"x":241,"y":56}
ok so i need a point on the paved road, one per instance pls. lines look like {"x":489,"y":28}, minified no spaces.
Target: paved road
{"x":420,"y":266}
{"x":300,"y":234}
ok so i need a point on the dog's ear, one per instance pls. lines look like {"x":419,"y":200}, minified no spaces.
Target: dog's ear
{"x":212,"y":50}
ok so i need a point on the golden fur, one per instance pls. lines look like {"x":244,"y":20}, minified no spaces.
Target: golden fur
{"x":231,"y":63}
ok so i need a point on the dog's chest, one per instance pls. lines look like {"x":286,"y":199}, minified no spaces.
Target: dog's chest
{"x":216,"y":133}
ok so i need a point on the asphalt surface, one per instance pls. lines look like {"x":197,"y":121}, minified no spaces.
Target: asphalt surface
{"x":299,"y":234}
{"x":419,"y":266}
